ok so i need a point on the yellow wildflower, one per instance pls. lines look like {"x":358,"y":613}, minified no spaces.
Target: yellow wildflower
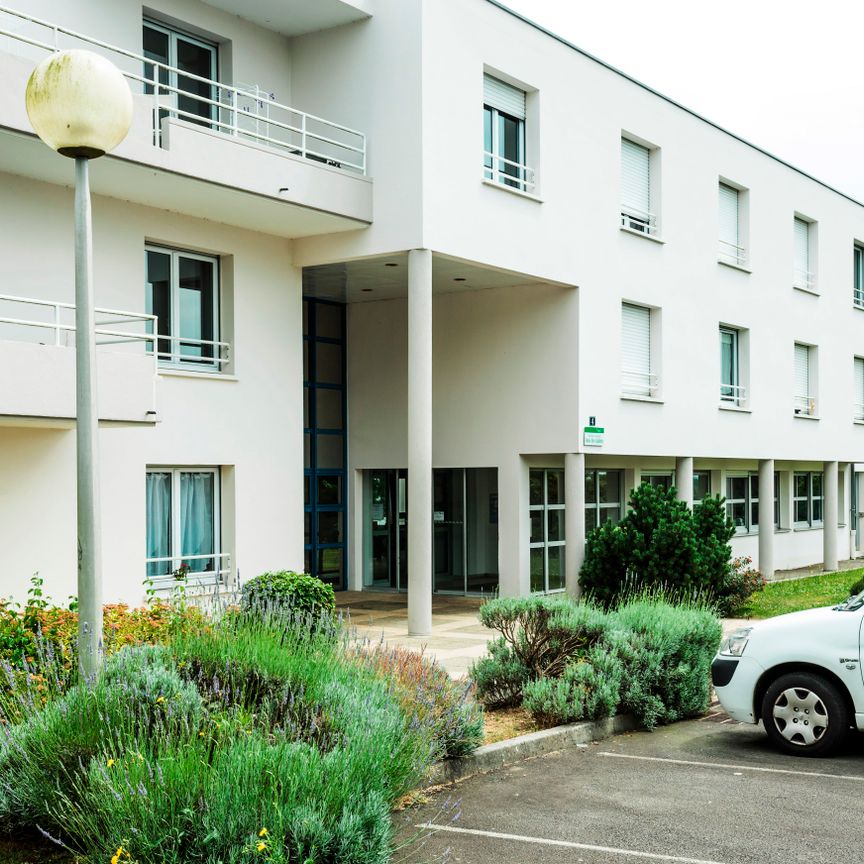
{"x":110,"y":763}
{"x":263,"y":832}
{"x":116,"y":858}
{"x":160,"y":699}
{"x":261,"y":848}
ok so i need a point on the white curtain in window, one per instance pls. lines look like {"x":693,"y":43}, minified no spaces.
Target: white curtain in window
{"x":729,"y":220}
{"x":802,"y":247}
{"x":504,"y":97}
{"x":197,"y":527}
{"x":802,"y":373}
{"x":635,"y":178}
{"x":636,"y":349}
{"x":158,"y":522}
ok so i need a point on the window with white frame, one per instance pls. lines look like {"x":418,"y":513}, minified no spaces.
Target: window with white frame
{"x":546,"y":542}
{"x":183,"y":526}
{"x":803,"y":275}
{"x":808,"y":499}
{"x":858,"y":276}
{"x":636,"y":192}
{"x":504,"y":159}
{"x":731,"y":245}
{"x":182,"y":291}
{"x":603,"y":503}
{"x":858,"y":402}
{"x":742,"y":501}
{"x":637,"y":377}
{"x":805,"y":389}
{"x":660,"y":480}
{"x":701,"y":485}
{"x":731,"y":390}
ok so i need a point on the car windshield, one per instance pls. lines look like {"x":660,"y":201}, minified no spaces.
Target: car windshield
{"x":855,"y":602}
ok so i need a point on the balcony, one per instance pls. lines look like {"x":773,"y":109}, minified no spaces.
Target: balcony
{"x":301,"y":174}
{"x":37,"y":353}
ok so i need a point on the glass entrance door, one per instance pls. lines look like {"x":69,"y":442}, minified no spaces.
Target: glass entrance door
{"x":386,"y":530}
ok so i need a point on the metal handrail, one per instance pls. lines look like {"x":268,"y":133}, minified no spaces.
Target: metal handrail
{"x":193,"y":578}
{"x":635,"y":219}
{"x":858,"y":408}
{"x":805,"y":405}
{"x":858,"y":297}
{"x":802,"y":278}
{"x":349,"y":154}
{"x":523,"y":180}
{"x":738,"y":254}
{"x":734,"y":393}
{"x":634,"y":383}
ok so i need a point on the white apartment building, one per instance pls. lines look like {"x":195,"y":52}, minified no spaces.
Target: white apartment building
{"x":433,"y":291}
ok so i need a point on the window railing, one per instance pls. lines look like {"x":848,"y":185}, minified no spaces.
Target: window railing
{"x":730,"y":253}
{"x":506,"y":172}
{"x":185,"y":353}
{"x":733,"y":394}
{"x":805,"y":405}
{"x":858,"y":409}
{"x":57,"y":327}
{"x":634,"y":219}
{"x":858,"y":296}
{"x":803,"y":279}
{"x":216,"y":570}
{"x":243,"y":112}
{"x":638,"y":383}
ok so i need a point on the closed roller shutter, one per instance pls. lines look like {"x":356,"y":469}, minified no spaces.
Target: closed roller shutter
{"x":859,"y":387}
{"x":636,"y":349}
{"x":504,"y":97}
{"x":635,"y":178}
{"x":729,"y":220}
{"x":802,"y":378}
{"x":802,"y":249}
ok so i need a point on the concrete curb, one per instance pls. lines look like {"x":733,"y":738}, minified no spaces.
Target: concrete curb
{"x":503,"y":753}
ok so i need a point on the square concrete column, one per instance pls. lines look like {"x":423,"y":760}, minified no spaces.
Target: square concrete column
{"x":574,"y":520}
{"x":766,"y":517}
{"x":829,"y":516}
{"x":684,"y":479}
{"x":420,"y":442}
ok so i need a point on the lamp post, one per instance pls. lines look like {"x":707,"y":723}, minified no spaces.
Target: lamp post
{"x":80,"y":105}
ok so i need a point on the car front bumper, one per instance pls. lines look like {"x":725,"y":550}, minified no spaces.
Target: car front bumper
{"x":736,"y":684}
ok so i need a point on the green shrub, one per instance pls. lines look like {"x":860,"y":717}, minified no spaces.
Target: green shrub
{"x":857,"y":587}
{"x":589,"y":689}
{"x":500,"y":677}
{"x":742,"y":581}
{"x":304,"y":595}
{"x":661,"y":543}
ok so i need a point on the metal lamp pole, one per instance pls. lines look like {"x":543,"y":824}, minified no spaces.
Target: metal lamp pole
{"x":80,"y":105}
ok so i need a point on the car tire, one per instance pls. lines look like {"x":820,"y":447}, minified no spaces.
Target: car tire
{"x":805,"y":714}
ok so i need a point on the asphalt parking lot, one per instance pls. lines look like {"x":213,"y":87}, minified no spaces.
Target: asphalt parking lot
{"x":706,"y":791}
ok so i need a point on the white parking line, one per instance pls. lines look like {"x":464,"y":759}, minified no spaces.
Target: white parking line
{"x":542,"y":841}
{"x":732,"y":767}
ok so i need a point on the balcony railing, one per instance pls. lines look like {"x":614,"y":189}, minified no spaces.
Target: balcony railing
{"x":803,"y":279}
{"x":730,"y":253}
{"x":858,"y":296}
{"x":638,"y":383}
{"x":506,"y":172}
{"x":46,"y":322}
{"x":634,"y":219}
{"x":181,"y":352}
{"x":165,"y":573}
{"x":858,"y":409}
{"x":805,"y":406}
{"x":733,"y":394}
{"x":248,"y":113}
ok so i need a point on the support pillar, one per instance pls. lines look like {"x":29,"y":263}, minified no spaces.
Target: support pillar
{"x":684,"y":479}
{"x":419,"y":442}
{"x":829,"y":517}
{"x":574,"y":520}
{"x":766,"y":517}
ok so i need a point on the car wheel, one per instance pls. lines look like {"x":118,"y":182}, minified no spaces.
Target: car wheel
{"x":805,"y":714}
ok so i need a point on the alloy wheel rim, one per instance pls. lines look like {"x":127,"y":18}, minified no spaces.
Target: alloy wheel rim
{"x":800,"y":716}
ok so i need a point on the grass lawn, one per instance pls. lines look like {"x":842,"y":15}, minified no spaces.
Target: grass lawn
{"x":778,"y":598}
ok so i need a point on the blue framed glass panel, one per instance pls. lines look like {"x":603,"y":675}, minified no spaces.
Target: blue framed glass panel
{"x":324,"y":441}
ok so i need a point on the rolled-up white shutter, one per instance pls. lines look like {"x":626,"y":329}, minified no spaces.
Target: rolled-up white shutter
{"x":505,"y":97}
{"x":636,"y":349}
{"x":802,"y":374}
{"x":728,"y":220}
{"x":859,"y":387}
{"x":635,"y":177}
{"x":802,"y":247}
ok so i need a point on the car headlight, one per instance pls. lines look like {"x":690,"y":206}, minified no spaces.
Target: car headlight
{"x":735,"y":643}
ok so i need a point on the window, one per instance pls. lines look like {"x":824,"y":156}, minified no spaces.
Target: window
{"x":637,"y":378}
{"x":731,"y":249}
{"x":546,"y":507}
{"x":858,"y":404}
{"x":808,"y":499}
{"x":191,"y":98}
{"x":701,"y":485}
{"x":742,"y":501}
{"x":731,"y":391}
{"x":504,"y":135}
{"x":602,"y":498}
{"x":803,"y":276}
{"x":636,"y":193}
{"x":183,"y":532}
{"x":660,"y":481}
{"x":805,"y":391}
{"x":858,"y":276}
{"x":183,"y":293}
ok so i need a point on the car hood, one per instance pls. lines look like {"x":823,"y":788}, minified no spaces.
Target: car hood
{"x":824,"y":616}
